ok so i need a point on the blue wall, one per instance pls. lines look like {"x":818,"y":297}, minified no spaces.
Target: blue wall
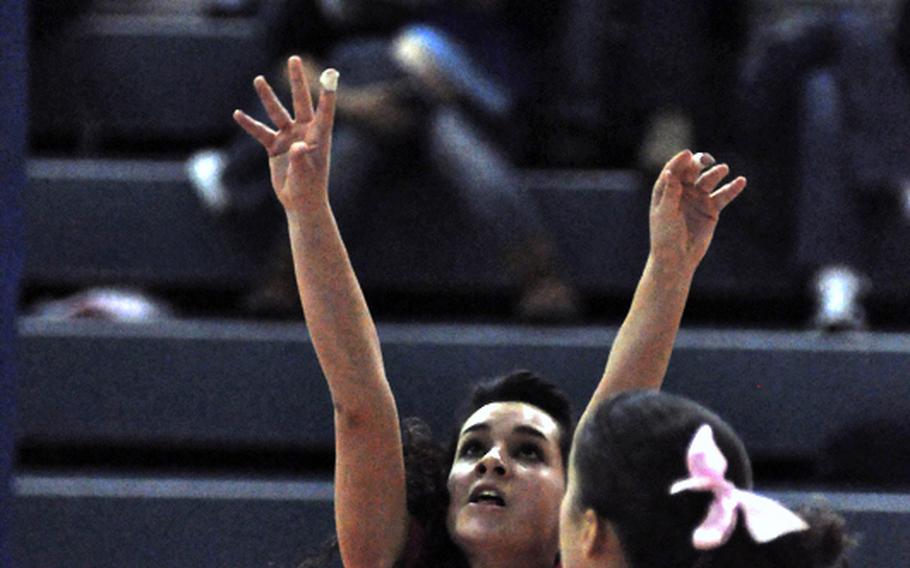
{"x":12,"y":180}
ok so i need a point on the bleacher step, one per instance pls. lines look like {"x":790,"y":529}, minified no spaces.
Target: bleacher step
{"x":139,"y":223}
{"x":257,"y":385}
{"x":115,"y":521}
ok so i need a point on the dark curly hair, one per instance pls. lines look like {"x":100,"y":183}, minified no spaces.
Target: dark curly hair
{"x":631,"y":450}
{"x":427,"y":465}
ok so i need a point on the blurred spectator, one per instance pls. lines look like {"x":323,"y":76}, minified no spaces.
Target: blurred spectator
{"x":446,"y":96}
{"x":640,"y":79}
{"x":826,"y":106}
{"x":12,"y":181}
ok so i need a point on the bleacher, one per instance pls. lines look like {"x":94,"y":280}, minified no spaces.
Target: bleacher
{"x":207,"y":441}
{"x":183,"y":411}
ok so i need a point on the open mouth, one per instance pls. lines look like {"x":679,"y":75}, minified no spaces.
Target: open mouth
{"x":487,"y":497}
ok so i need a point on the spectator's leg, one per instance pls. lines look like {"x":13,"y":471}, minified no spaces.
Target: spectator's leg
{"x":829,"y":227}
{"x":486,"y":182}
{"x":876,"y":96}
{"x":12,"y":180}
{"x":356,"y":158}
{"x":767,"y":121}
{"x":592,"y":122}
{"x":667,"y":67}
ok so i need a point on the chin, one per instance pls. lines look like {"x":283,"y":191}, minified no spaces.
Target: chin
{"x":479,"y":531}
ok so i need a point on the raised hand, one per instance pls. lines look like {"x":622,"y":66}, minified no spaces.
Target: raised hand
{"x":685,"y":208}
{"x":300,"y":147}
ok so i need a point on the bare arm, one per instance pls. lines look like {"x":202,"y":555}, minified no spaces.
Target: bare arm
{"x":685,"y":208}
{"x":370,"y":493}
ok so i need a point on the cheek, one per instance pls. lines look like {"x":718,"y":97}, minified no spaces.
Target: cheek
{"x":555,"y":498}
{"x":458,"y":485}
{"x":458,"y":481}
{"x":548,"y":488}
{"x":556,"y":483}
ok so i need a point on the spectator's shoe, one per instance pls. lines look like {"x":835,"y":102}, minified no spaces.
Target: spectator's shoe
{"x":549,"y":300}
{"x":205,"y":171}
{"x":838,"y":291}
{"x":546,"y":297}
{"x":111,"y":304}
{"x":668,"y":132}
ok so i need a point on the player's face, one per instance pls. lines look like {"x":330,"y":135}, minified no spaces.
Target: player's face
{"x":507,"y":481}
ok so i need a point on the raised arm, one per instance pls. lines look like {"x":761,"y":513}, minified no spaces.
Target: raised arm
{"x":685,"y":208}
{"x":370,"y":493}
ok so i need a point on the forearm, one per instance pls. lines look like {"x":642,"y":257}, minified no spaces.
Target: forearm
{"x":641,"y":351}
{"x":339,"y":322}
{"x":685,"y":207}
{"x":369,"y":464}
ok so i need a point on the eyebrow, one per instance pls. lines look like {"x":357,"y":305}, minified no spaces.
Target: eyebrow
{"x":527,"y":430}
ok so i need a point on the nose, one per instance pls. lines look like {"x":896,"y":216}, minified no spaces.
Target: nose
{"x":493,"y":462}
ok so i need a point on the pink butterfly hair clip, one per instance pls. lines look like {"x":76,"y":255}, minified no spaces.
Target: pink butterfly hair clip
{"x":765,"y":518}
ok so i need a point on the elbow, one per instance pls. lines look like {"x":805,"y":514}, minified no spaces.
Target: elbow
{"x":349,"y":417}
{"x":363,"y":412}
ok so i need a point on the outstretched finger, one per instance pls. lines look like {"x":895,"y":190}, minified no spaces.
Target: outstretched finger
{"x":723,"y":196}
{"x":708,"y":180}
{"x":325,"y":111}
{"x":262,"y":133}
{"x":273,"y":107}
{"x":300,"y":90}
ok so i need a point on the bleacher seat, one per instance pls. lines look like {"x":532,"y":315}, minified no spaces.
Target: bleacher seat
{"x":194,"y":384}
{"x":139,"y":223}
{"x":135,"y":521}
{"x":110,"y":78}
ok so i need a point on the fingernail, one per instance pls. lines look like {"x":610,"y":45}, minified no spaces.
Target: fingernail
{"x":329,"y":80}
{"x":704,"y":158}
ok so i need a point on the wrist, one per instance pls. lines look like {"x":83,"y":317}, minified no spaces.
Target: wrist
{"x":302,"y":215}
{"x":670,"y":270}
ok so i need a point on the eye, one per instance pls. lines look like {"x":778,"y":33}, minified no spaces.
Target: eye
{"x":530,"y":451}
{"x":471,"y":449}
